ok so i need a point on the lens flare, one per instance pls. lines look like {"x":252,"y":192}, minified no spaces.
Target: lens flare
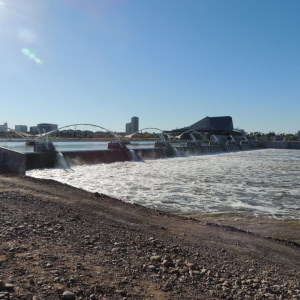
{"x":38,"y":61}
{"x":25,"y":51}
{"x":31,"y":56}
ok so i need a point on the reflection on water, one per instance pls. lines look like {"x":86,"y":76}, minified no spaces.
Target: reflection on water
{"x":72,"y":145}
{"x":16,"y":146}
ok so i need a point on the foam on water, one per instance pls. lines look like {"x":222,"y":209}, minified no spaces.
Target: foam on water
{"x":260,"y":182}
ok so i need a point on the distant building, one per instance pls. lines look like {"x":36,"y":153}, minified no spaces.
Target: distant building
{"x":3,"y":128}
{"x":276,"y":138}
{"x":128,"y":128}
{"x":21,"y":128}
{"x":134,"y":124}
{"x":47,"y":127}
{"x":33,"y":130}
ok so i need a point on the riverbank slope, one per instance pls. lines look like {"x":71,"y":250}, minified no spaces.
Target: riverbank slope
{"x":55,"y":238}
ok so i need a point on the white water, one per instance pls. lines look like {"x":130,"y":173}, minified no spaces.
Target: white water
{"x":260,"y":182}
{"x":61,"y":162}
{"x":133,"y":155}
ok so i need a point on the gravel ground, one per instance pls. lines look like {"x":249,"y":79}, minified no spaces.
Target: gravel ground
{"x":59,"y":242}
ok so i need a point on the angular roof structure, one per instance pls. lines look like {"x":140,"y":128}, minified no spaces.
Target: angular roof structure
{"x":209,"y":124}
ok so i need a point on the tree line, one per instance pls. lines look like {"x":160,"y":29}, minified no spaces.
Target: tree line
{"x":272,"y":135}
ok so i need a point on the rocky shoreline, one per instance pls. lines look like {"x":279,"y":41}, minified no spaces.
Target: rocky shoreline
{"x":59,"y":242}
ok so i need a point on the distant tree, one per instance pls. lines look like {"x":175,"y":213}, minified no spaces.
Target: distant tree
{"x":258,"y":134}
{"x":289,"y":137}
{"x":271,"y":133}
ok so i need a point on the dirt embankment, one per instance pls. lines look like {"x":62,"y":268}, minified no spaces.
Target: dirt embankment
{"x":59,"y":242}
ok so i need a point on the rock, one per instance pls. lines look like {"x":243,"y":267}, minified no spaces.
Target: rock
{"x":174,"y":271}
{"x":121,"y":292}
{"x":191,"y":266}
{"x":2,"y":286}
{"x":156,"y":258}
{"x":168,"y":258}
{"x":203,"y":271}
{"x":4,"y":296}
{"x":183,"y":270}
{"x":179,"y":262}
{"x":167,"y":264}
{"x":151,"y":267}
{"x":9,"y":287}
{"x":69,"y":295}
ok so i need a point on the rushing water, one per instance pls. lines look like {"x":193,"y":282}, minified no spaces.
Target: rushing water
{"x":261,"y":183}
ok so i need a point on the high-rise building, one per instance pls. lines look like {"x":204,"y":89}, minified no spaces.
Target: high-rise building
{"x":21,"y":128}
{"x":134,"y":124}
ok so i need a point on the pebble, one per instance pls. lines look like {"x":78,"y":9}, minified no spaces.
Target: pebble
{"x":191,"y":266}
{"x":156,"y":258}
{"x":9,"y":287}
{"x":4,"y":295}
{"x":69,"y":295}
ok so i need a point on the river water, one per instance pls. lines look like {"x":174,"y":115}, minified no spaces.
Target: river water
{"x":71,"y":145}
{"x":262,"y":183}
{"x":253,"y":190}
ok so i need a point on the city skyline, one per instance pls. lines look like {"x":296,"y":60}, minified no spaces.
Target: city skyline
{"x":128,"y":129}
{"x":172,"y":63}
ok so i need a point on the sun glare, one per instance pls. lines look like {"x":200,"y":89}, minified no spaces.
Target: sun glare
{"x":2,"y":7}
{"x":18,"y":29}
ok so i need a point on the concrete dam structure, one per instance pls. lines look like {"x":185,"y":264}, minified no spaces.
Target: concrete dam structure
{"x":17,"y":163}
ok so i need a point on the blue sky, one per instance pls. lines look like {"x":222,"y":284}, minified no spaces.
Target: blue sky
{"x":169,"y":62}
